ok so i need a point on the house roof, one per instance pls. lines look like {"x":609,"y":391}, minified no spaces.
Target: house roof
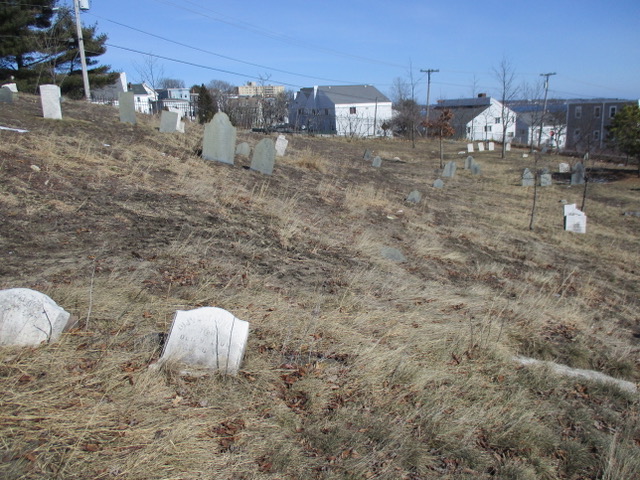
{"x":340,"y":94}
{"x":138,"y":89}
{"x":459,"y":113}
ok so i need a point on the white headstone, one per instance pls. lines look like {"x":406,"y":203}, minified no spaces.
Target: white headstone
{"x":528,"y":179}
{"x":574,"y":219}
{"x":281,"y":145}
{"x":264,"y":156}
{"x":377,"y":162}
{"x":492,"y":146}
{"x":11,"y":86}
{"x":507,"y":147}
{"x":243,"y":149}
{"x":564,"y":168}
{"x":219,"y":139}
{"x":480,"y":147}
{"x":171,"y":122}
{"x":28,"y":317}
{"x":469,"y":147}
{"x":449,"y":170}
{"x":127,"y":107}
{"x":50,"y":100}
{"x":209,"y":337}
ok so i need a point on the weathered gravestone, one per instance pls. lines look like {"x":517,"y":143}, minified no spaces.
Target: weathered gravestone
{"x":528,"y":179}
{"x":127,"y":107}
{"x":243,"y":149}
{"x":574,"y":219}
{"x":438,"y":183}
{"x":171,"y":122}
{"x":469,"y":147}
{"x":507,"y":147}
{"x":264,"y":156}
{"x":209,"y":337}
{"x":393,"y":254}
{"x":219,"y":139}
{"x":11,"y":86}
{"x":577,"y":174}
{"x":449,"y":170}
{"x":414,"y":197}
{"x":492,"y":146}
{"x":564,"y":168}
{"x":28,"y":317}
{"x":468,"y":162}
{"x":281,"y":145}
{"x":476,"y":169}
{"x":50,"y":100}
{"x":480,"y":147}
{"x":546,"y":180}
{"x":6,"y":95}
{"x":367,"y":155}
{"x":377,"y":162}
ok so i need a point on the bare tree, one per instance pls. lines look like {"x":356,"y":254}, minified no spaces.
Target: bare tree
{"x":165,"y":82}
{"x":150,"y":71}
{"x":506,"y":76}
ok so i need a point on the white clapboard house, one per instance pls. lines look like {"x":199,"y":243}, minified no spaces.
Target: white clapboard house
{"x":348,"y":110}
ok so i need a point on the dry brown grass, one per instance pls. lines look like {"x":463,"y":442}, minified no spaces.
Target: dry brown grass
{"x":357,"y":367}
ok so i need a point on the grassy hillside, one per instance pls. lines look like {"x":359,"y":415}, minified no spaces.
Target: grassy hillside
{"x":357,"y":367}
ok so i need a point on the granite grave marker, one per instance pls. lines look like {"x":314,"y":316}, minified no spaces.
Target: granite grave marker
{"x":219,"y":139}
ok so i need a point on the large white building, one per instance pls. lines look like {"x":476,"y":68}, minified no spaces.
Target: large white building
{"x":349,"y":110}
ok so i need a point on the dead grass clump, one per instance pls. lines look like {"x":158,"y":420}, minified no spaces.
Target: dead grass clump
{"x":310,"y":160}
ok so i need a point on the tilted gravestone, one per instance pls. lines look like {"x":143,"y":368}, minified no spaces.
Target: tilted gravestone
{"x":367,"y":155}
{"x":414,"y":197}
{"x":564,"y":168}
{"x":243,"y":149}
{"x":219,"y":139}
{"x":438,"y":183}
{"x":546,"y":180}
{"x":574,"y":219}
{"x":449,"y":170}
{"x":492,"y":146}
{"x":393,"y":254}
{"x":209,"y":337}
{"x":264,"y":156}
{"x":6,"y":95}
{"x":171,"y":122}
{"x":127,"y":107}
{"x":480,"y":147}
{"x":476,"y":169}
{"x":577,"y":174}
{"x":377,"y":162}
{"x":50,"y":99}
{"x":28,"y":317}
{"x":528,"y":178}
{"x":281,"y":145}
{"x":468,"y":162}
{"x":469,"y":147}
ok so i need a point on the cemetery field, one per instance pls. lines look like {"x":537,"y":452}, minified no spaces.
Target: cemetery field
{"x":384,"y":335}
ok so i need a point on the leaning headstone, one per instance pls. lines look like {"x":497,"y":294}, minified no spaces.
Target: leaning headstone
{"x":209,"y":337}
{"x":393,"y":254}
{"x":377,"y":162}
{"x":219,"y":139}
{"x":127,"y":107}
{"x":438,"y":183}
{"x":50,"y":100}
{"x":264,"y":156}
{"x":480,"y":147}
{"x":468,"y":162}
{"x":28,"y":317}
{"x":577,"y":174}
{"x":476,"y":169}
{"x":574,"y":219}
{"x":546,"y":180}
{"x":492,"y":146}
{"x":367,"y":155}
{"x":449,"y":170}
{"x":243,"y":149}
{"x":281,"y":145}
{"x":171,"y":122}
{"x":414,"y":197}
{"x":564,"y":168}
{"x":469,"y":147}
{"x":528,"y":179}
{"x":6,"y":95}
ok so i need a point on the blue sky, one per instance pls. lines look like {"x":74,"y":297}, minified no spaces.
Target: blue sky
{"x":593,"y":46}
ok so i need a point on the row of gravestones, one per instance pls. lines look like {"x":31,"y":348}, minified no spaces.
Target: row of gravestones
{"x":577,"y":175}
{"x":208,"y":337}
{"x":491,"y":146}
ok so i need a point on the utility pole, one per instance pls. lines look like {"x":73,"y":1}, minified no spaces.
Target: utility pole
{"x":429,"y":72}
{"x":544,"y":107}
{"x":83,"y":58}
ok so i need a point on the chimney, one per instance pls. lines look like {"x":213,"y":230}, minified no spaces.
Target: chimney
{"x":482,"y":95}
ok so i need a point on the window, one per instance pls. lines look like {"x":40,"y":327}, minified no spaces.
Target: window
{"x":498,"y":120}
{"x":352,"y":110}
{"x":576,"y":133}
{"x":468,"y":129}
{"x":596,"y":134}
{"x":301,"y":111}
{"x":596,"y":112}
{"x":613,"y":111}
{"x":578,"y":112}
{"x":326,"y":111}
{"x":487,"y":128}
